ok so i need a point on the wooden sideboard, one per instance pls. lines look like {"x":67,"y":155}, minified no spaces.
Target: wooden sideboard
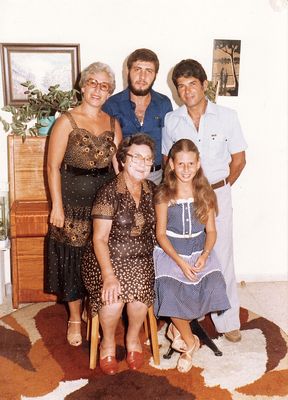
{"x":29,"y":207}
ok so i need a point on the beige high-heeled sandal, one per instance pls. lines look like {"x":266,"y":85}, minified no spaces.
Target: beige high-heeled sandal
{"x":74,"y":339}
{"x":185,"y":361}
{"x":178,"y":343}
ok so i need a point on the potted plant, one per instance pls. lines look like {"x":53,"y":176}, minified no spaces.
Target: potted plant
{"x":212,"y":91}
{"x":31,"y":117}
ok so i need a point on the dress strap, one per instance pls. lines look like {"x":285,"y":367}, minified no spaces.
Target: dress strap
{"x":71,"y":119}
{"x":112,"y":124}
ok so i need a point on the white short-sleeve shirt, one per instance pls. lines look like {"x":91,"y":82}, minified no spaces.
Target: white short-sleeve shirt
{"x":219,"y":136}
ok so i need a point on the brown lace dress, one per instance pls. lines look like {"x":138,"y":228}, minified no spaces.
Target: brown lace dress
{"x":86,"y":167}
{"x":131,"y":243}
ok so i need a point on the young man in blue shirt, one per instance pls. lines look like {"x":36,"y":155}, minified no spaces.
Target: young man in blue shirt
{"x":139,"y":108}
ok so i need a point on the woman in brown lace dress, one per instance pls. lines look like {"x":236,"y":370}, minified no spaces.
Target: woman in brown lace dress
{"x":81,"y":152}
{"x":123,"y":237}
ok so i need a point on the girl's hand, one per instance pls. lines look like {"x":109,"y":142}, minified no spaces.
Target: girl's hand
{"x":189,"y":271}
{"x":57,"y":217}
{"x":111,"y":290}
{"x":200,"y":263}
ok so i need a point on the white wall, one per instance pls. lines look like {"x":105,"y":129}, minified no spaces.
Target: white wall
{"x":108,"y":31}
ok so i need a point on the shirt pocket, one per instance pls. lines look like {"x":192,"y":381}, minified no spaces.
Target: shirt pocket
{"x":217,"y":145}
{"x":158,"y":121}
{"x":152,"y":122}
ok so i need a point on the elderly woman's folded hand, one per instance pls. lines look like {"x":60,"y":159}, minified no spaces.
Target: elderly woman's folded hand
{"x":111,"y":290}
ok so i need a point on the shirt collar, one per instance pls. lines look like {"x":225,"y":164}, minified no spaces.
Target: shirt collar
{"x":211,"y":108}
{"x":122,"y":188}
{"x":126,"y":95}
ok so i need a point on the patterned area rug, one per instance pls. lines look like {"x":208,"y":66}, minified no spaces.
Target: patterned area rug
{"x":37,"y":363}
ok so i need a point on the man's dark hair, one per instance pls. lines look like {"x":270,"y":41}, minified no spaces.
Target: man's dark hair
{"x":188,"y":68}
{"x":143,"y":55}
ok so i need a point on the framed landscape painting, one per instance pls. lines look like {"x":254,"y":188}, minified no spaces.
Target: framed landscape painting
{"x":43,"y":64}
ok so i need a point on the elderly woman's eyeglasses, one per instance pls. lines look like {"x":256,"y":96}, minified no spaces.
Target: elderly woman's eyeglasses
{"x":93,"y":83}
{"x":138,"y":159}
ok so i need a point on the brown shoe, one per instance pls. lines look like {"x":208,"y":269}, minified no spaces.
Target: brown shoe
{"x":109,"y":365}
{"x":134,"y":360}
{"x":233,"y":336}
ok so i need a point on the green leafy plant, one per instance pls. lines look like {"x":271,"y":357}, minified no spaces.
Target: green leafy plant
{"x":212,"y":91}
{"x":40,"y":105}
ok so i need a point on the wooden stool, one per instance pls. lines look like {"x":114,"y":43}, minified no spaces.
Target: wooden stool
{"x":93,"y":326}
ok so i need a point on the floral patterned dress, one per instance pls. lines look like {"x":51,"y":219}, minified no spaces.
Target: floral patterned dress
{"x":131,"y":243}
{"x":86,"y":167}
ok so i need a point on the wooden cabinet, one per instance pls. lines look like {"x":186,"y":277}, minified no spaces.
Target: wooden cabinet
{"x":29,"y":209}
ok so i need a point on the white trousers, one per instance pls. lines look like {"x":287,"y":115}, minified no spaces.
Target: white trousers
{"x":229,"y":320}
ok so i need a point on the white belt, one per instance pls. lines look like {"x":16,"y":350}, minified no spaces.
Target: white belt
{"x":185,"y":235}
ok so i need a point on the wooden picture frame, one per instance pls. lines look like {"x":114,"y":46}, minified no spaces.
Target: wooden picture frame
{"x":43,"y":64}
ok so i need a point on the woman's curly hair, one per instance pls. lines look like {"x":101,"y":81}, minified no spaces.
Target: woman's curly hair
{"x":126,"y":143}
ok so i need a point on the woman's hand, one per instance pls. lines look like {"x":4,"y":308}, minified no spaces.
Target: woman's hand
{"x":188,"y":271}
{"x":111,"y":290}
{"x":111,"y":285}
{"x":57,"y":217}
{"x":200,"y":263}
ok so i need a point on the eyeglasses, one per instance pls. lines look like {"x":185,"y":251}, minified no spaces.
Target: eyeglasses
{"x":138,"y":159}
{"x":93,"y":83}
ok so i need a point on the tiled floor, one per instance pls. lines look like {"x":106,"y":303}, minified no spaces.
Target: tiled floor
{"x":268,"y":299}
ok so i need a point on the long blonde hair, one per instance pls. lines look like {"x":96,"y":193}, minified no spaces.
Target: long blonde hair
{"x":204,"y":196}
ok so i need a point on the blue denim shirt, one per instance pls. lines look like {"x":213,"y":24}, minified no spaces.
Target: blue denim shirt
{"x":121,"y":107}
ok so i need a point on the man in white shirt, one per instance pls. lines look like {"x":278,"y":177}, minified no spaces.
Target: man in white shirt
{"x":217,"y":133}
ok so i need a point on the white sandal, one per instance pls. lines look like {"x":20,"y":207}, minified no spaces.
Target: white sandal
{"x":178,"y":343}
{"x":74,"y":339}
{"x":185,"y":361}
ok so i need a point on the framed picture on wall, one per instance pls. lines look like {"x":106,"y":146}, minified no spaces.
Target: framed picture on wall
{"x":226,"y":64}
{"x":44,"y":65}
